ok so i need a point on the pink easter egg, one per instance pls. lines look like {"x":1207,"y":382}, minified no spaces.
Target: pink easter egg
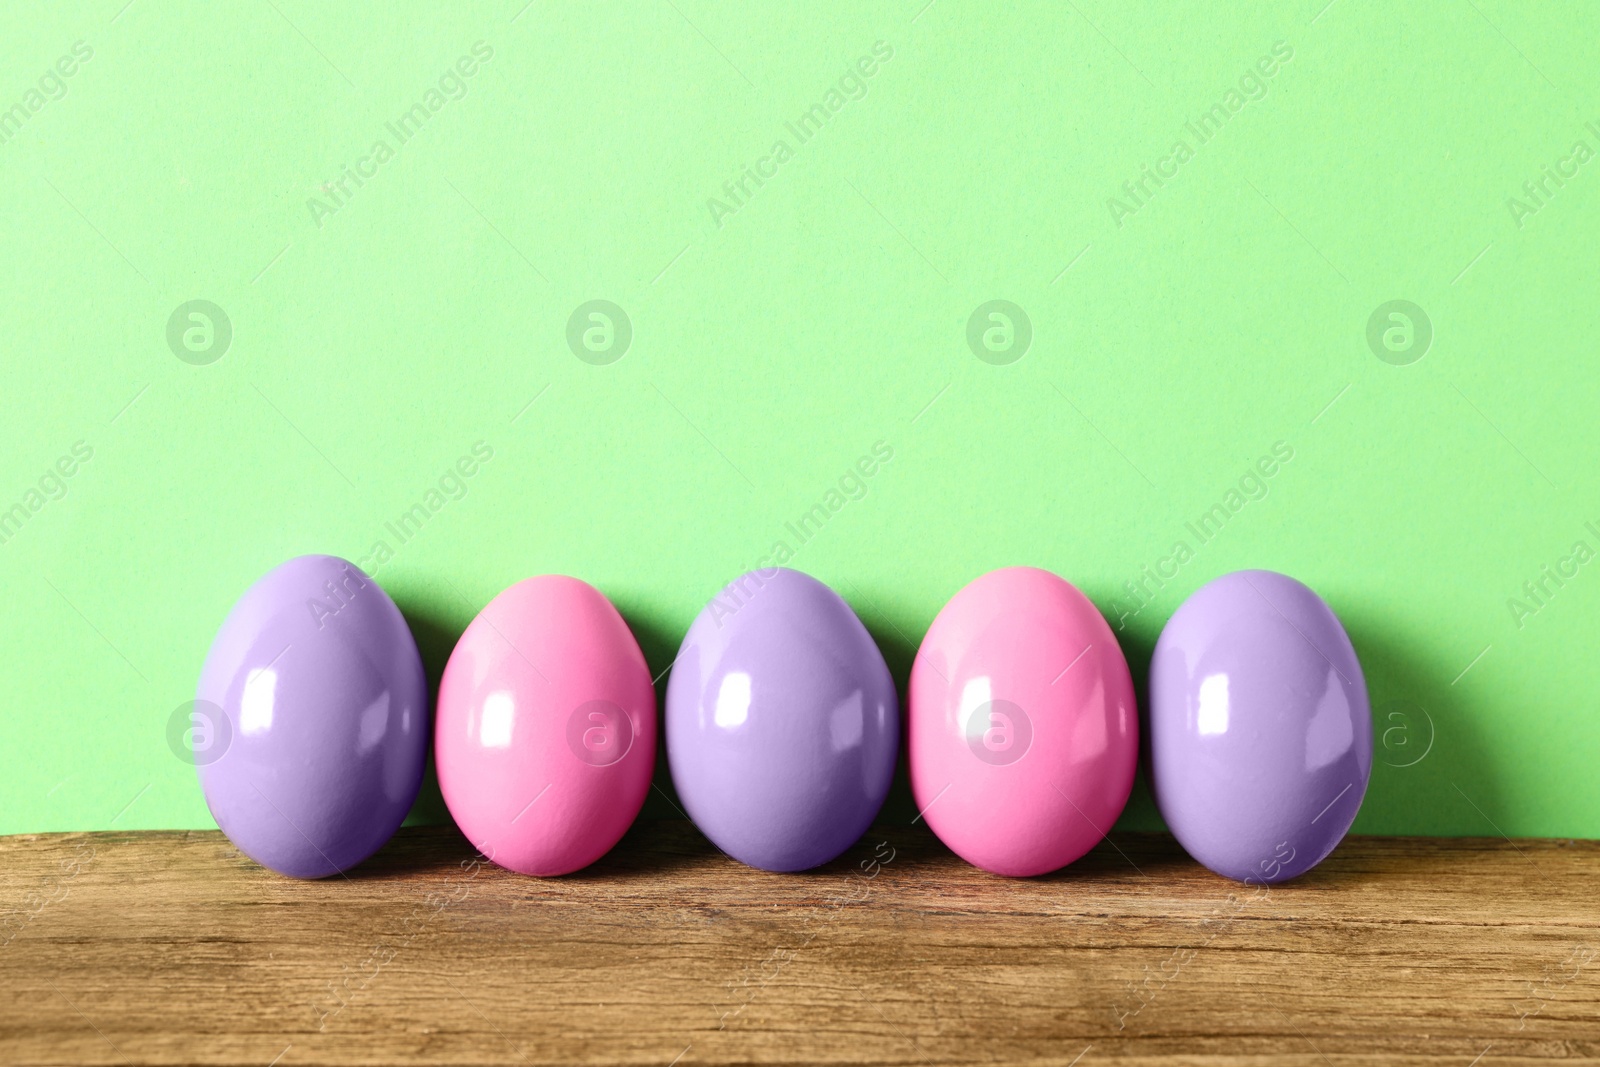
{"x":546,"y":727}
{"x":1023,"y":729}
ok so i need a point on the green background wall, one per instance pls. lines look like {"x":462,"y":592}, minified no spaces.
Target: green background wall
{"x":1176,"y":332}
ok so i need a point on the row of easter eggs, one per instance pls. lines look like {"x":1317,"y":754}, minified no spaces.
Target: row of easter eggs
{"x":783,"y":727}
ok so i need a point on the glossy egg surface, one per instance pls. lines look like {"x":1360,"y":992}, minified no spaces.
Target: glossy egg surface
{"x":782,"y":722}
{"x":1260,"y":731}
{"x":546,"y":734}
{"x":310,"y":725}
{"x":1024,"y":733}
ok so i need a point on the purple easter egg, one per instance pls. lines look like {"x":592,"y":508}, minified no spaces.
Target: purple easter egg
{"x":782,"y":722}
{"x":313,"y":708}
{"x":1260,"y":731}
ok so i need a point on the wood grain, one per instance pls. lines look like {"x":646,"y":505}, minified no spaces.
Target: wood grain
{"x":173,"y":948}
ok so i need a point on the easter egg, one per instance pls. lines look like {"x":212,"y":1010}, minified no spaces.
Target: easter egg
{"x":313,"y":707}
{"x":1024,"y":734}
{"x":1260,"y":732}
{"x":782,"y":722}
{"x":546,"y":727}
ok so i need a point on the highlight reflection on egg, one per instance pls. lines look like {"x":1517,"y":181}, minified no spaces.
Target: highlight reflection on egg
{"x":782,"y":722}
{"x":1260,"y":730}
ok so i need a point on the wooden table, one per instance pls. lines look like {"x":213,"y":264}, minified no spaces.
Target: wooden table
{"x":173,"y":948}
